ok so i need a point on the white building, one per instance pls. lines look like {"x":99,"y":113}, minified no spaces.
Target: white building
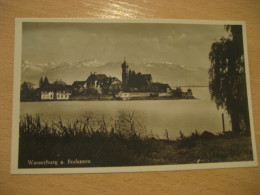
{"x":63,"y":95}
{"x":129,"y":95}
{"x":47,"y":95}
{"x":124,"y":95}
{"x":56,"y":92}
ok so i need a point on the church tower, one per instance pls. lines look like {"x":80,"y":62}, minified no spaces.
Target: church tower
{"x":125,"y":73}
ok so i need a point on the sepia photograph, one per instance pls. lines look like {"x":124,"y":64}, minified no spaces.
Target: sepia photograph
{"x":110,"y":95}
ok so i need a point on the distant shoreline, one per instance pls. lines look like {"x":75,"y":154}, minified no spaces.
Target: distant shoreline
{"x":173,"y":86}
{"x":110,"y":98}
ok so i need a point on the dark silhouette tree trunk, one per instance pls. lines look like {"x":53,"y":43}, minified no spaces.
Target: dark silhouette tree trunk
{"x":227,"y":79}
{"x":235,"y":122}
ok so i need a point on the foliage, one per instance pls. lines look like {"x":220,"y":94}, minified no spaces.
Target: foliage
{"x":227,"y":82}
{"x":93,"y":91}
{"x":189,"y":91}
{"x":178,"y":92}
{"x":27,"y":93}
{"x":86,"y":138}
{"x":138,"y":81}
{"x":59,"y":82}
{"x":46,"y":81}
{"x":43,"y":82}
{"x":122,"y":144}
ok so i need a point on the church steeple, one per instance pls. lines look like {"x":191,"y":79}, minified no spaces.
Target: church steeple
{"x":124,"y":65}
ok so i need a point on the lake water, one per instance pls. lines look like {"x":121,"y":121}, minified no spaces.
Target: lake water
{"x":155,"y":115}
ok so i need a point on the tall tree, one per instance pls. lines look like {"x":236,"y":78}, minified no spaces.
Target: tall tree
{"x":27,"y":92}
{"x":178,"y":92}
{"x":46,"y":81}
{"x":227,"y":81}
{"x":41,"y":83}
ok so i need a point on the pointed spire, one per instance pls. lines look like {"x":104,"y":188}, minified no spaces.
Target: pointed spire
{"x":124,"y":64}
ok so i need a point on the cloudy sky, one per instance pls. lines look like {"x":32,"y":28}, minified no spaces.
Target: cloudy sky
{"x":184,"y":44}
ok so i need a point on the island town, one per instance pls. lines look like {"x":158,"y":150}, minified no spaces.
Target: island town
{"x":133,"y":86}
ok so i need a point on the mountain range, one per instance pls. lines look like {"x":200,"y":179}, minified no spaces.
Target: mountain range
{"x":164,"y":72}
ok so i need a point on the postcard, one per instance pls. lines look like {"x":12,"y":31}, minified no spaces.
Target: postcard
{"x":130,"y":95}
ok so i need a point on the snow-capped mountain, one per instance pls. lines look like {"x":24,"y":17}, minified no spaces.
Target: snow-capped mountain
{"x":165,"y":72}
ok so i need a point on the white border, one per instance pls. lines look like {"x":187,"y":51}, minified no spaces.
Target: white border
{"x":16,"y":103}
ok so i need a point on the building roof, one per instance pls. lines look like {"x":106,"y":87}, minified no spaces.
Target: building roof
{"x":161,"y":86}
{"x":56,"y":87}
{"x":96,"y":77}
{"x":78,"y":83}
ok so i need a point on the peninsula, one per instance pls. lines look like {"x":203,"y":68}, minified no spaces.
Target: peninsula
{"x":133,"y":86}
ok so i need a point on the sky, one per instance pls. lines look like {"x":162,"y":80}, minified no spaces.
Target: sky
{"x":184,"y":44}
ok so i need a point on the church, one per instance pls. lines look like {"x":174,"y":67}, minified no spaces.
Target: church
{"x":132,"y":86}
{"x":132,"y":81}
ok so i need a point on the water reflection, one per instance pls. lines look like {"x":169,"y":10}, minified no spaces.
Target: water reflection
{"x":153,"y":116}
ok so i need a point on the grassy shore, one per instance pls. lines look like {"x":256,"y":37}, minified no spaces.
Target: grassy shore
{"x":120,"y":145}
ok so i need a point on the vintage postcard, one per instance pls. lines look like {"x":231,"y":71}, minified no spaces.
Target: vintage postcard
{"x":109,"y":95}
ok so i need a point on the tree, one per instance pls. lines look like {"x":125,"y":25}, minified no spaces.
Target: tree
{"x":41,"y":83}
{"x":178,"y":92}
{"x":27,"y":92}
{"x":227,"y":81}
{"x":57,"y":82}
{"x":45,"y":82}
{"x":189,"y":91}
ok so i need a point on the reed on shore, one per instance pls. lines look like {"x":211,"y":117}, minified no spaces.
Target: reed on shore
{"x":122,"y":144}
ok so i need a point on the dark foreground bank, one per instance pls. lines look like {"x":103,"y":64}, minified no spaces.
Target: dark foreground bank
{"x":81,"y":144}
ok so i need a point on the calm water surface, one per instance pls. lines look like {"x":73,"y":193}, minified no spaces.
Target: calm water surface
{"x":155,"y":115}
